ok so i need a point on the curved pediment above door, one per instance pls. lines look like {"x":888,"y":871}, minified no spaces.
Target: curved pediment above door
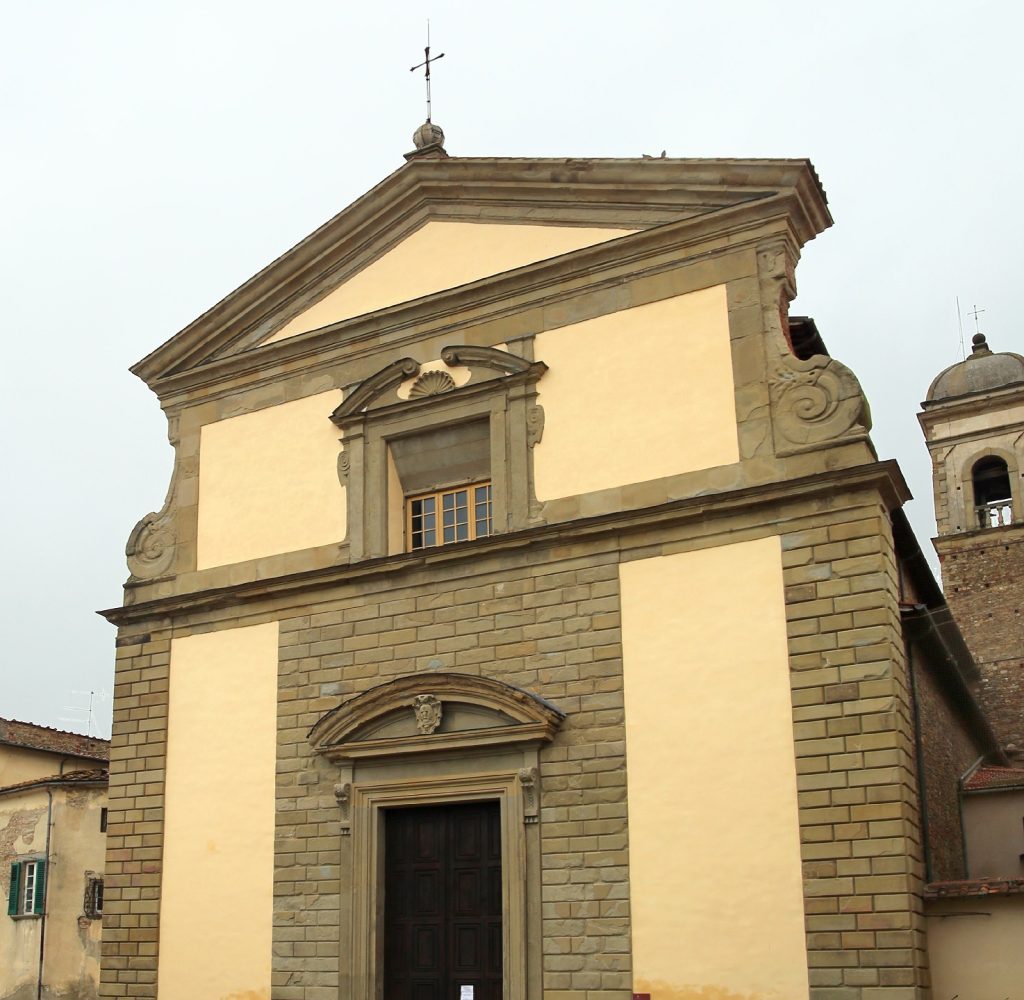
{"x":434,"y":712}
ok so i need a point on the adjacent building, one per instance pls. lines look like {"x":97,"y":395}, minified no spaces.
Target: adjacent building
{"x":973,"y":421}
{"x":53,"y":814}
{"x":530,"y":616}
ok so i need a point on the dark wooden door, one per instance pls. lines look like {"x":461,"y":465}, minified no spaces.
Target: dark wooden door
{"x":442,"y":902}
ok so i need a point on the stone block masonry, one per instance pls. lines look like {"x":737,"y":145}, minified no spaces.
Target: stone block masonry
{"x":545,"y":617}
{"x":549,"y":627}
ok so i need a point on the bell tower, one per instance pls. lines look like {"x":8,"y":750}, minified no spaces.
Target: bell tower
{"x":973,"y":422}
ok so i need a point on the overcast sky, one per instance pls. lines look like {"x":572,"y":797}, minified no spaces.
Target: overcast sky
{"x":156,"y":155}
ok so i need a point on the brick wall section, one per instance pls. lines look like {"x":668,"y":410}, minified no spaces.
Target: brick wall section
{"x":856,"y":781}
{"x":948,"y":751}
{"x":552,"y":628}
{"x":131,"y":879}
{"x":983,"y":574}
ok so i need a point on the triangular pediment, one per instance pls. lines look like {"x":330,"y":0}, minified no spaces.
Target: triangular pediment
{"x":438,"y":256}
{"x":444,"y":224}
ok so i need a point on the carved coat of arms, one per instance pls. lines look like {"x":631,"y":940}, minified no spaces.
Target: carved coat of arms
{"x":427,"y":710}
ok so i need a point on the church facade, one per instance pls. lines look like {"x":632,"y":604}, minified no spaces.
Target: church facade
{"x":528,"y":615}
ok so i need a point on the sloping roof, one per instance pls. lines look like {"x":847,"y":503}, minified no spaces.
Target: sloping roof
{"x":633,"y":194}
{"x":93,"y":776}
{"x":986,"y":779}
{"x":974,"y":887}
{"x":33,"y":737}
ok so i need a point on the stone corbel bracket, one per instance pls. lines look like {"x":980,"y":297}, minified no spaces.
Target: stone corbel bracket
{"x":529,"y":781}
{"x":151,"y":546}
{"x":343,"y":796}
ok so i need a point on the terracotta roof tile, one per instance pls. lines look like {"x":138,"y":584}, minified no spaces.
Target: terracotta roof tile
{"x":975,"y":887}
{"x":87,"y":777}
{"x":33,"y":737}
{"x":985,"y":778}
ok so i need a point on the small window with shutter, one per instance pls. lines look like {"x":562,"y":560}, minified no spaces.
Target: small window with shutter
{"x":27,"y":892}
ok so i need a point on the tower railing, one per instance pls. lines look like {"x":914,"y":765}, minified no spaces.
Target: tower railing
{"x":995,"y":513}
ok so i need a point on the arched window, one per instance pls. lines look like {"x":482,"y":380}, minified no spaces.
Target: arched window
{"x":993,"y":499}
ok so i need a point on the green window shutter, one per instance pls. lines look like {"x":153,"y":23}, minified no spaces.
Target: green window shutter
{"x":12,"y":894}
{"x":40,"y":887}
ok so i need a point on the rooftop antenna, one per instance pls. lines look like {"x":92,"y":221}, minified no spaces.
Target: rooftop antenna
{"x":89,"y":712}
{"x":425,"y":66}
{"x":960,"y":324}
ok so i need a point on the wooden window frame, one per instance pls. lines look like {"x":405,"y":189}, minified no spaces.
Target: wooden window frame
{"x":472,"y":502}
{"x":27,"y":893}
{"x":502,"y":391}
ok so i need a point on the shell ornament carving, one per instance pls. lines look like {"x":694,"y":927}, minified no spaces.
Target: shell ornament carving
{"x":818,"y":400}
{"x":432,"y":384}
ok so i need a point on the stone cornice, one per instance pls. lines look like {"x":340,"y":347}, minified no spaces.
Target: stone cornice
{"x":454,"y":311}
{"x":713,"y":196}
{"x":885,"y":477}
{"x":934,"y":412}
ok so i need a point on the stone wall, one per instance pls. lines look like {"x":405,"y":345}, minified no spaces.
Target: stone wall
{"x":543,"y":613}
{"x":863,"y":859}
{"x":982,"y":574}
{"x":550,"y":626}
{"x":948,"y":751}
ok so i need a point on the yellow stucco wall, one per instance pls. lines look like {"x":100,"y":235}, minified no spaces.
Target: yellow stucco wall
{"x":442,"y":255}
{"x":268,"y":482}
{"x":217,"y":907}
{"x":77,"y":845}
{"x":716,"y":891}
{"x":974,"y":948}
{"x":19,"y":764}
{"x":637,"y":395}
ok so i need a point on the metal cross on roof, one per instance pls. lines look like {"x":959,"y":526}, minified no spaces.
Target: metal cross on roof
{"x":425,"y":66}
{"x":976,"y":312}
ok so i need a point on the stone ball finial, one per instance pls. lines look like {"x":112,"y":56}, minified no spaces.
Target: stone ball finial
{"x":979,"y":343}
{"x":428,"y":134}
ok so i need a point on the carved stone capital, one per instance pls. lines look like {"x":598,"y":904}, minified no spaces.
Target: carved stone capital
{"x":344,"y":465}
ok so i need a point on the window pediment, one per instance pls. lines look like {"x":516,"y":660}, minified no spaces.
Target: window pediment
{"x":433,"y":712}
{"x":485,"y":364}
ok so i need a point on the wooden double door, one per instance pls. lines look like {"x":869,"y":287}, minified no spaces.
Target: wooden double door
{"x":442,"y":903}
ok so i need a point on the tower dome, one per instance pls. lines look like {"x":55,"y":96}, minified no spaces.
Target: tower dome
{"x":983,"y":371}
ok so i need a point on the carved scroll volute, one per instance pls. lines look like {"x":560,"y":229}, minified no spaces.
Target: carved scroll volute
{"x":151,"y":545}
{"x":817,"y":400}
{"x":814,"y":400}
{"x":529,"y":783}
